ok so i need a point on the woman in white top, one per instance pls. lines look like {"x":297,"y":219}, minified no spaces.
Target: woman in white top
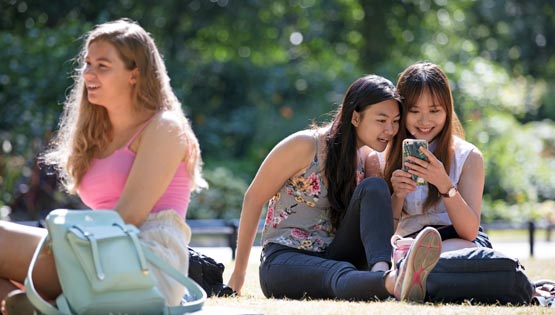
{"x":452,"y":200}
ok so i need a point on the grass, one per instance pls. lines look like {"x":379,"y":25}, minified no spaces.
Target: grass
{"x":516,"y":235}
{"x":508,"y":235}
{"x":253,"y":300}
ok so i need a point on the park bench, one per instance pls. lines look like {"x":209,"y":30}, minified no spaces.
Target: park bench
{"x":531,"y":226}
{"x":217,"y":233}
{"x":205,"y":232}
{"x":223,"y":232}
{"x":214,"y":233}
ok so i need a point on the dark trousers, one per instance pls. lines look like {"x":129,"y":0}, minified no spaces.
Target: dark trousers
{"x":362,"y":239}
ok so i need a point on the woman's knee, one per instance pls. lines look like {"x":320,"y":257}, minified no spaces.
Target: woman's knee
{"x":4,"y":243}
{"x":300,"y":276}
{"x":18,"y":241}
{"x":373,"y":186}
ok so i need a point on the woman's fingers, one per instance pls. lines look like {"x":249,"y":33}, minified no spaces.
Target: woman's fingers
{"x":430,"y":170}
{"x":402,"y":182}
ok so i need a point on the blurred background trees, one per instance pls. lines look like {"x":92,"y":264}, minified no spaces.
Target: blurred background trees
{"x":251,"y":72}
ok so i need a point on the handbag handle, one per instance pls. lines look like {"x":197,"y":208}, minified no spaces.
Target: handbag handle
{"x":194,"y":300}
{"x":37,"y":301}
{"x":196,"y":297}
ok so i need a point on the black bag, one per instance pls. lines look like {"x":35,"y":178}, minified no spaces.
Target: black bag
{"x":480,"y":275}
{"x":208,"y":274}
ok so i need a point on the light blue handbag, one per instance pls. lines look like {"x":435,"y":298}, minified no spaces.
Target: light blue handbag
{"x":103,"y":268}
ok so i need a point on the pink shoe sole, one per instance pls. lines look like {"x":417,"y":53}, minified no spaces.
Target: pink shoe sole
{"x":421,"y":259}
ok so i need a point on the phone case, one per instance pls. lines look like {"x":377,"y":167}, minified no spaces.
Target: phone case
{"x":411,"y":147}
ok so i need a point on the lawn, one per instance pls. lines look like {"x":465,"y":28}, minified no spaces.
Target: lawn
{"x":516,"y":235}
{"x":254,"y":301}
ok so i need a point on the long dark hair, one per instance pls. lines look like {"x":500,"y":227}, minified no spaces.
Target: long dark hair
{"x":413,"y":81}
{"x":341,"y":145}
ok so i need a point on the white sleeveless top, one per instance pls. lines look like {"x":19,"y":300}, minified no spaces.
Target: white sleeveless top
{"x":414,"y":219}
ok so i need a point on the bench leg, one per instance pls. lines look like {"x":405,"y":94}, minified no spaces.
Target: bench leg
{"x":531,"y":232}
{"x":233,"y":241}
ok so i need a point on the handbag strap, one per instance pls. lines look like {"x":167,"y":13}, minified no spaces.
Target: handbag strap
{"x":193,"y":300}
{"x":196,"y":295}
{"x":37,"y":301}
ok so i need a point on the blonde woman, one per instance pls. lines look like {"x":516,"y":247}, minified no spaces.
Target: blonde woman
{"x":124,"y":144}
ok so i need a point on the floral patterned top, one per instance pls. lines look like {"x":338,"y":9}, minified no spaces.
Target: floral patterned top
{"x":298,"y":214}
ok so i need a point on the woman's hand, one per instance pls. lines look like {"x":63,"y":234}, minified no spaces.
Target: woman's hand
{"x":236,"y":282}
{"x":402,"y":184}
{"x":431,"y":170}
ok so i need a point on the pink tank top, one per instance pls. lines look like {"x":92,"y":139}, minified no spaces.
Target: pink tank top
{"x":103,"y":183}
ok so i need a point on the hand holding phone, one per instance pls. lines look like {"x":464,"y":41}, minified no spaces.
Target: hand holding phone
{"x":411,"y":147}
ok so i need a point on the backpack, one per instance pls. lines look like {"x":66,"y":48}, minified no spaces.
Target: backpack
{"x":481,"y":275}
{"x":208,"y":274}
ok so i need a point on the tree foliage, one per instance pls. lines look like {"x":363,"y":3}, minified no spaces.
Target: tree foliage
{"x":251,"y":72}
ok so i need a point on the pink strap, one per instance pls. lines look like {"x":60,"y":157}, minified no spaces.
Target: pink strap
{"x":138,"y":132}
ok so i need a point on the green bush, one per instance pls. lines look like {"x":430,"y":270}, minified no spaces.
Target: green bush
{"x":222,"y":200}
{"x":500,"y":210}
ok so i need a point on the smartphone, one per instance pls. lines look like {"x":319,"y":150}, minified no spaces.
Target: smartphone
{"x":411,"y":147}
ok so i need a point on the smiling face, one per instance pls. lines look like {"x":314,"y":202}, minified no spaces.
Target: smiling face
{"x":377,"y":124}
{"x":426,"y":118}
{"x":107,"y":81}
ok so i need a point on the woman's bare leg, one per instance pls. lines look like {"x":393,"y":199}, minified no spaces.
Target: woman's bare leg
{"x":5,"y":288}
{"x":17,"y":244}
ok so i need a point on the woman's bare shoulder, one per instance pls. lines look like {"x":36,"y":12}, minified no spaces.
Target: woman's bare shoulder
{"x":168,"y":120}
{"x":166,"y":126}
{"x":295,"y":152}
{"x":165,"y":131}
{"x":304,"y":140}
{"x":475,"y":159}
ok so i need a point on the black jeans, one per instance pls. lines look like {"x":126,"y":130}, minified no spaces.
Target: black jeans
{"x":362,"y":239}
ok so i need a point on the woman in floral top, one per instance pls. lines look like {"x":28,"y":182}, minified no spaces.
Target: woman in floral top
{"x":327,"y":230}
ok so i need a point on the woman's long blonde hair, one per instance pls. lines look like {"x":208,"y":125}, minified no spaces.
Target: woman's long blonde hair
{"x":85,"y":129}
